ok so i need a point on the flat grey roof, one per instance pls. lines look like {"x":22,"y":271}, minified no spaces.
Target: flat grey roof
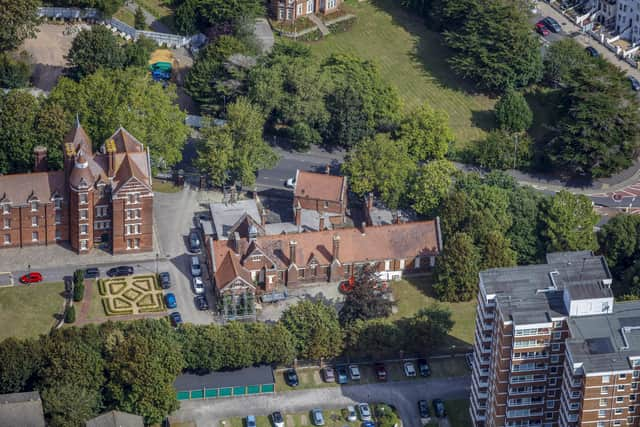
{"x":253,"y":375}
{"x":599,"y":343}
{"x":21,"y":410}
{"x":534,"y":293}
{"x":225,"y":215}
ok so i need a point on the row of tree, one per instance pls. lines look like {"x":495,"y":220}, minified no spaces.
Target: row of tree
{"x":620,"y":244}
{"x":215,"y":15}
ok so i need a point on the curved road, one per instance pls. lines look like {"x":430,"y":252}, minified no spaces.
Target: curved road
{"x":404,"y":395}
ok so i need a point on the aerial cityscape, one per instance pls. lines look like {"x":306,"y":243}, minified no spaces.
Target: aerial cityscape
{"x":340,"y":213}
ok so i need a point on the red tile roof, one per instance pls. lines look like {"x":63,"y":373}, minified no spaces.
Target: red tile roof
{"x":319,"y":186}
{"x":230,"y":269}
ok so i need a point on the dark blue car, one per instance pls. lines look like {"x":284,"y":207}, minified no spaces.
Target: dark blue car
{"x":170,"y":300}
{"x":176,"y":318}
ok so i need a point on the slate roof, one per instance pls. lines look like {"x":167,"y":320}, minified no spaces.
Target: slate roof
{"x":230,"y":269}
{"x":116,"y":419}
{"x":18,"y":189}
{"x":21,"y":410}
{"x":319,"y":186}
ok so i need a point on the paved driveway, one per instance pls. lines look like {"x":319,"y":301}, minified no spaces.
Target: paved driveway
{"x":403,"y":395}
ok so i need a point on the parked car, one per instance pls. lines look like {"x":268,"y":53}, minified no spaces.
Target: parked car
{"x":291,"y":377}
{"x":438,"y":408}
{"x":409,"y":369}
{"x":328,"y":374}
{"x":591,"y":51}
{"x":381,"y":372}
{"x":364,"y":411}
{"x":176,"y":318}
{"x":316,"y":417}
{"x":201,"y":303}
{"x":194,"y":242}
{"x":278,"y":419}
{"x":351,"y":414}
{"x":122,"y":270}
{"x":91,"y":273}
{"x":196,"y":270}
{"x":635,"y":84}
{"x":342,"y":375}
{"x":33,"y":277}
{"x":165,"y":280}
{"x":170,"y":300}
{"x":354,"y":372}
{"x":198,"y":285}
{"x":251,"y":421}
{"x":291,"y":183}
{"x":423,"y":409}
{"x":552,"y":24}
{"x":542,"y":29}
{"x":423,"y":367}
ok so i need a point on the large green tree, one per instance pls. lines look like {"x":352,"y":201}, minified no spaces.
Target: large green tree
{"x":380,"y":165}
{"x":202,"y":14}
{"x":513,"y":112}
{"x":503,"y":150}
{"x":618,"y":241}
{"x":316,"y":329}
{"x":567,"y":222}
{"x":93,"y":49}
{"x":349,"y":123}
{"x":236,"y":150}
{"x":432,"y":184}
{"x":14,"y":72}
{"x":426,"y":133}
{"x":457,"y":270}
{"x":18,"y":21}
{"x":20,"y":363}
{"x":563,"y":59}
{"x":18,"y":112}
{"x":494,"y":45}
{"x":127,"y":98}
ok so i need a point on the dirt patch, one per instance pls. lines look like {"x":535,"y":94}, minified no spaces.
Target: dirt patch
{"x":48,"y":51}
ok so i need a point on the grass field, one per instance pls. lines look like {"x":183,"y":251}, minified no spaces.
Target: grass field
{"x":412,"y":59}
{"x":28,"y":311}
{"x":415,"y":293}
{"x":160,"y":9}
{"x":165,"y":187}
{"x":125,"y":15}
{"x":458,"y":412}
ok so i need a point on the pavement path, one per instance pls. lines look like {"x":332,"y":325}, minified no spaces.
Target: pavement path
{"x":404,"y":395}
{"x":323,"y":28}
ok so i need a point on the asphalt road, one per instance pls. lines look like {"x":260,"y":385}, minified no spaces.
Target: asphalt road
{"x":403,"y":395}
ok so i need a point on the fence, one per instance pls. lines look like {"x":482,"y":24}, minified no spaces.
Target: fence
{"x":127,"y":31}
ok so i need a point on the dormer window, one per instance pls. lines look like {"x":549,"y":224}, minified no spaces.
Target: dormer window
{"x":6,"y":208}
{"x":34,"y":205}
{"x":57,"y":202}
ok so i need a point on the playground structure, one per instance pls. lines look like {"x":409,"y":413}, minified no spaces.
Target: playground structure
{"x":161,"y":64}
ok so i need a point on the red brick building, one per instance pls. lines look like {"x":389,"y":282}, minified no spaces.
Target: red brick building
{"x":99,"y":198}
{"x":322,"y":193}
{"x":288,"y":10}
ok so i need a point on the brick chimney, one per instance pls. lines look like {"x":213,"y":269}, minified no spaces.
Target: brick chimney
{"x":298,"y":214}
{"x":40,"y":159}
{"x":369,"y":201}
{"x":336,"y":246}
{"x":111,"y":156}
{"x":321,"y":225}
{"x":263,"y":217}
{"x":292,"y":251}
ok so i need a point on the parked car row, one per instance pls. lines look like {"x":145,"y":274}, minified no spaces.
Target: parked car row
{"x":438,"y":408}
{"x":360,"y":411}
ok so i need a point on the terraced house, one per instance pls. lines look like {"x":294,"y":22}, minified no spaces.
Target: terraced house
{"x":289,"y":10}
{"x":103,"y":198}
{"x":553,"y":349}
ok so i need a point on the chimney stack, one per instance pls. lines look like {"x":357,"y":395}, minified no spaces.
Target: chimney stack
{"x":298,"y":214}
{"x":336,"y":246}
{"x":111,"y":156}
{"x":292,"y":251}
{"x":263,"y":217}
{"x":321,"y":226}
{"x":363,"y":226}
{"x":40,"y":159}
{"x":327,"y":169}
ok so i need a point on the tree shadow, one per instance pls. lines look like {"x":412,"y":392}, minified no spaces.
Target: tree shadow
{"x":484,"y":119}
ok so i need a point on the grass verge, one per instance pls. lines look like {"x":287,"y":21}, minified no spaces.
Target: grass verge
{"x":458,"y":412}
{"x":125,"y":15}
{"x":165,"y":187}
{"x":413,"y":59}
{"x":29,"y":310}
{"x":414,"y":293}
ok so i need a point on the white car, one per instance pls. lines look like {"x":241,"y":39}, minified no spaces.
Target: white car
{"x":198,"y":285}
{"x":291,"y":183}
{"x":354,"y":372}
{"x":365,"y":411}
{"x":351,"y":414}
{"x":409,"y":369}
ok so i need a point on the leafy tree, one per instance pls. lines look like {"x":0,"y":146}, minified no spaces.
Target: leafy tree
{"x":108,"y":7}
{"x":426,"y":133}
{"x":457,"y":270}
{"x":50,"y":128}
{"x":494,"y":45}
{"x":513,"y":112}
{"x":130,"y":99}
{"x":69,"y":405}
{"x":137,"y":54}
{"x":14,"y":73}
{"x":431,"y":186}
{"x":597,"y":133}
{"x":568,"y":222}
{"x":375,"y":338}
{"x":18,"y":21}
{"x":386,"y":416}
{"x":496,"y":251}
{"x":315,"y":328}
{"x":627,"y":287}
{"x":139,"y":21}
{"x":93,"y":49}
{"x":185,"y":17}
{"x":20,"y":363}
{"x":364,"y":301}
{"x":202,"y":346}
{"x":562,"y":60}
{"x":379,"y":165}
{"x":235,"y":151}
{"x":618,"y":241}
{"x":349,"y":123}
{"x":524,"y":206}
{"x":17,"y":137}
{"x":428,"y":328}
{"x":201,"y":14}
{"x":498,"y":149}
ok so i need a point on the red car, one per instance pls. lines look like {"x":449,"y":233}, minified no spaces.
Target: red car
{"x":33,"y":277}
{"x":542,"y":29}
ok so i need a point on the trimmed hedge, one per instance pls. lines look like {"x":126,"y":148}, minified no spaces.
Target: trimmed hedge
{"x":310,"y":36}
{"x":70,"y":315}
{"x":78,"y":292}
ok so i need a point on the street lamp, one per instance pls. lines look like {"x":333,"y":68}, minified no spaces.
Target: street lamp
{"x":157,"y":255}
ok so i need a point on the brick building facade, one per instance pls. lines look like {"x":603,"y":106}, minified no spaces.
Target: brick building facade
{"x":553,"y":349}
{"x":289,"y":10}
{"x":102,"y":198}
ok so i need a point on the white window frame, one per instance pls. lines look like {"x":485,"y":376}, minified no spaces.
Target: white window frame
{"x":6,"y":209}
{"x":34,"y":206}
{"x":84,"y":245}
{"x":34,"y":220}
{"x":6,"y":223}
{"x":84,"y":229}
{"x":58,"y":217}
{"x":34,"y":236}
{"x":7,"y":239}
{"x":84,"y":198}
{"x":310,"y":6}
{"x":83,"y":214}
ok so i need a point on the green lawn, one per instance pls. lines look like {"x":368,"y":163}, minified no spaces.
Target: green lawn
{"x":307,"y":377}
{"x":414,"y":293}
{"x":165,"y":187}
{"x":29,"y":310}
{"x":458,"y":412}
{"x":125,"y":15}
{"x":413,"y":59}
{"x":161,"y":9}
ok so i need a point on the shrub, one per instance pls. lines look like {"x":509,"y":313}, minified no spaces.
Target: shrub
{"x":102,"y":289}
{"x":70,"y":315}
{"x":78,"y":276}
{"x":78,"y":292}
{"x":14,"y":73}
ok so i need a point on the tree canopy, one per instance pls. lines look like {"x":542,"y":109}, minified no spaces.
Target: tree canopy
{"x":432,"y":184}
{"x":513,"y":112}
{"x":457,"y":269}
{"x":193,"y":15}
{"x":568,"y":222}
{"x":364,"y":301}
{"x":426,"y":133}
{"x":18,"y":21}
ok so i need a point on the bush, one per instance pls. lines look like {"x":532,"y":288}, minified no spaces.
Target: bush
{"x":78,"y":292}
{"x":14,"y":73}
{"x":78,"y":276}
{"x":70,"y":315}
{"x":342,"y":26}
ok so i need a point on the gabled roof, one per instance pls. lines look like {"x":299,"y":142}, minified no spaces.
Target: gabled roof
{"x":21,"y":410}
{"x":125,"y":142}
{"x":79,"y":138}
{"x":116,"y":419}
{"x":319,"y":186}
{"x":229,"y":270}
{"x":128,"y":170}
{"x":18,"y":189}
